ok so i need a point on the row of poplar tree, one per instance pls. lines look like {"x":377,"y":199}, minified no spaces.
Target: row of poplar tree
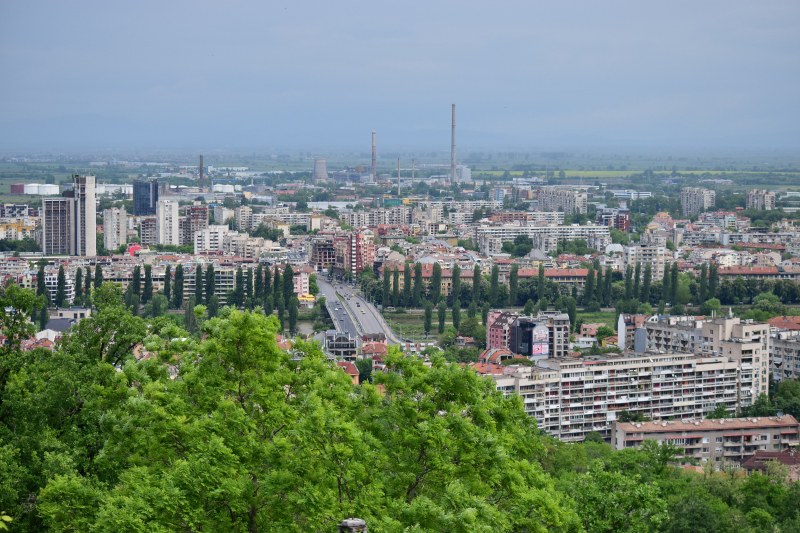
{"x":270,"y":289}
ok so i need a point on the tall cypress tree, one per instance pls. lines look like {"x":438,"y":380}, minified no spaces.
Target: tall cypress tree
{"x":673,"y":285}
{"x":396,"y":287}
{"x":288,"y":284}
{"x":607,"y":290}
{"x":540,"y":282}
{"x":442,"y":315}
{"x":248,"y":288}
{"x":648,"y":278}
{"x":61,"y":287}
{"x":456,"y":313}
{"x":407,"y":298}
{"x":238,"y":290}
{"x":267,"y":299}
{"x":147,"y":291}
{"x":428,"y":323}
{"x":168,"y":284}
{"x":387,"y":287}
{"x":588,"y":288}
{"x":494,"y":285}
{"x":98,"y":276}
{"x":713,"y":280}
{"x":211,"y":283}
{"x":277,"y":288}
{"x":78,"y":287}
{"x":513,"y":285}
{"x":177,"y":294}
{"x":417,"y":284}
{"x":293,"y":316}
{"x":628,"y":282}
{"x":258,"y":288}
{"x":198,"y":285}
{"x":436,"y":283}
{"x":476,"y":283}
{"x":87,"y":286}
{"x":637,"y":280}
{"x":703,"y":296}
{"x":136,"y":280}
{"x":598,"y":285}
{"x":455,"y":290}
{"x":666,"y":290}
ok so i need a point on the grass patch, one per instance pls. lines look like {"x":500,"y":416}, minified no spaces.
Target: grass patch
{"x":607,"y":317}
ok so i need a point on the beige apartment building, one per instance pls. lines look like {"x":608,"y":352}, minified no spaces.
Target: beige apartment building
{"x":569,"y":201}
{"x":719,"y":441}
{"x":571,"y":397}
{"x":744,"y":341}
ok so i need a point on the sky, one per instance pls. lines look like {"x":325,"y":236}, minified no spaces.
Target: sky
{"x":321,"y":75}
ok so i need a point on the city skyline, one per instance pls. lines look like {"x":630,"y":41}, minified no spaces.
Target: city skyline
{"x":320,"y":77}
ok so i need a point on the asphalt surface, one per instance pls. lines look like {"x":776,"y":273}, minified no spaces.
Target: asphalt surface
{"x":353,"y":310}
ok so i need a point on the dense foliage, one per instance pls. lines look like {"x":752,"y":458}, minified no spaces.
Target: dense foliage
{"x":222,"y":431}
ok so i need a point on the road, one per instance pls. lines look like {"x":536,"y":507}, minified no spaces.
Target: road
{"x":354,"y":311}
{"x":342,"y":318}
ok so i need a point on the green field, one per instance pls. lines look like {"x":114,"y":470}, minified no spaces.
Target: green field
{"x":607,"y":317}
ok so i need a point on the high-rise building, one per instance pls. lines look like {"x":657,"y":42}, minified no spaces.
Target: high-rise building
{"x":145,"y":197}
{"x":570,"y":201}
{"x":70,"y":222}
{"x":115,"y":228}
{"x":195,"y":219}
{"x":167,"y":222}
{"x":84,"y":217}
{"x":761,"y":199}
{"x":695,"y":200}
{"x":56,"y":223}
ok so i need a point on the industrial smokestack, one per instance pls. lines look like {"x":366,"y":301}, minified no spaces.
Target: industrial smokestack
{"x":200,"y":179}
{"x":374,"y":158}
{"x":398,"y":177}
{"x":453,"y":146}
{"x":320,"y":170}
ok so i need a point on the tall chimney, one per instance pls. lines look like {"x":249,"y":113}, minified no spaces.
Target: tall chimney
{"x":200,"y":180}
{"x":453,"y":146}
{"x":398,"y":177}
{"x":374,"y":158}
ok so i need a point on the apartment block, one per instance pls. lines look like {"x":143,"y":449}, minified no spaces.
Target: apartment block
{"x":115,"y":228}
{"x":719,"y":441}
{"x":490,"y":238}
{"x":194,"y":218}
{"x":167,"y":223}
{"x":745,"y":341}
{"x":209,"y":240}
{"x":785,"y":354}
{"x":695,"y":200}
{"x":615,"y":218}
{"x":570,"y":397}
{"x":647,"y":254}
{"x":569,"y":201}
{"x":761,"y":200}
{"x":56,"y":224}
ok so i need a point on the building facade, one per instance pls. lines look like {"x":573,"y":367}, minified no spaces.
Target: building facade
{"x":168,"y":223}
{"x":718,"y":441}
{"x":695,"y":200}
{"x":145,"y":197}
{"x":115,"y":228}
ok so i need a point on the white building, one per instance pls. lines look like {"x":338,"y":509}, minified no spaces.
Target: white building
{"x":168,"y":223}
{"x":115,"y":228}
{"x":210,"y":239}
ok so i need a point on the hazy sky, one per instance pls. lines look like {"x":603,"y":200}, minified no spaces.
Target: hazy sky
{"x":321,"y":75}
